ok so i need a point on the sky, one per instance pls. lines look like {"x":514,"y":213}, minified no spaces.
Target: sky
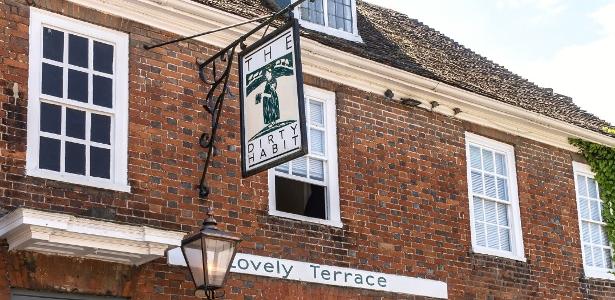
{"x":566,"y":45}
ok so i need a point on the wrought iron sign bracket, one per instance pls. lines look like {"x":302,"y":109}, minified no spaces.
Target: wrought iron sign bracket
{"x":215,"y":73}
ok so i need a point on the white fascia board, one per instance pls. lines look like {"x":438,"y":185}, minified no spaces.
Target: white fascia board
{"x":62,"y":234}
{"x":187,"y":17}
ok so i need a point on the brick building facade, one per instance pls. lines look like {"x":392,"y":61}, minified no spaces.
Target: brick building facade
{"x":402,"y":170}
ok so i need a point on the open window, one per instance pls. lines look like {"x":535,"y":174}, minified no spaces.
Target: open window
{"x":307,"y":188}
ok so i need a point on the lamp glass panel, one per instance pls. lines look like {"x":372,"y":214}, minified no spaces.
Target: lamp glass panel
{"x":219,"y":255}
{"x":194,"y":257}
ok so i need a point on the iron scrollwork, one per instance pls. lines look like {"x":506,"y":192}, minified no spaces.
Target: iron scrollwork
{"x":215,"y":72}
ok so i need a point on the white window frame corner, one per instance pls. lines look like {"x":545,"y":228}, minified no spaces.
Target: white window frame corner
{"x":119,"y":129}
{"x":353,"y":36}
{"x":590,"y":272}
{"x":517,"y":245}
{"x":332,"y":175}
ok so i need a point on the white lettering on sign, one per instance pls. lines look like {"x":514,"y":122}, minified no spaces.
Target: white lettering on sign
{"x":329,"y":275}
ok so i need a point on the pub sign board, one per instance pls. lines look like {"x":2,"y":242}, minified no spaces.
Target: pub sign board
{"x":272,"y":106}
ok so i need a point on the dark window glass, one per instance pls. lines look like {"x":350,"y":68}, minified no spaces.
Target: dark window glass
{"x":51,"y":118}
{"x":52,"y":80}
{"x":53,"y":44}
{"x":74,"y":161}
{"x":78,"y":85}
{"x":103,"y":91}
{"x":300,"y":198}
{"x":49,"y":154}
{"x":100,"y":129}
{"x":103,"y":57}
{"x":75,"y":123}
{"x":77,"y":51}
{"x":100,"y":162}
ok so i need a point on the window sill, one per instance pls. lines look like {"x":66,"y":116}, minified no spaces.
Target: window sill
{"x":332,"y":223}
{"x":599,"y":274}
{"x":502,"y":254}
{"x":74,"y":179}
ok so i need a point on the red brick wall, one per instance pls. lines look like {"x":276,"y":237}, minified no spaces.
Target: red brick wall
{"x":402,"y":175}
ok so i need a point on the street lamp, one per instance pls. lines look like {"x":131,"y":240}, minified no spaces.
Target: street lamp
{"x":209,"y":254}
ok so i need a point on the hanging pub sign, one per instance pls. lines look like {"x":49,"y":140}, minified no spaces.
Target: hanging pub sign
{"x":272,"y":105}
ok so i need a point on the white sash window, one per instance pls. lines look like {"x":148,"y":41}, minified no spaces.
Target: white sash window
{"x":596,"y":248}
{"x":78,"y":102}
{"x":494,"y":204}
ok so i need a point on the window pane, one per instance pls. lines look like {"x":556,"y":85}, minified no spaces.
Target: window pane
{"x":77,"y":51}
{"x":300,"y":198}
{"x":493,"y":240}
{"x":605,"y":239}
{"x":477,"y":182}
{"x":300,"y":167}
{"x":481,"y":239}
{"x":500,"y":164}
{"x":103,"y":57}
{"x":594,"y":207}
{"x":490,"y":212}
{"x":595,"y":233}
{"x":49,"y":154}
{"x":475,"y":157}
{"x":51,"y":80}
{"x":312,"y":12}
{"x":317,"y":141}
{"x":53,"y":44}
{"x":77,"y":85}
{"x":588,"y":255}
{"x":103,"y":91}
{"x":502,"y":189}
{"x":584,"y":207}
{"x":585,"y":232}
{"x":488,"y":161}
{"x":478,"y":209}
{"x":100,"y":129}
{"x":317,"y":113}
{"x":582,"y":185}
{"x":51,"y":118}
{"x":100,"y":162}
{"x":505,"y":239}
{"x":282,"y":168}
{"x":74,"y":161}
{"x":75,"y":123}
{"x":598,"y":261}
{"x":592,"y":189}
{"x":608,"y":258}
{"x":317,"y":170}
{"x":502,"y":214}
{"x":490,"y":188}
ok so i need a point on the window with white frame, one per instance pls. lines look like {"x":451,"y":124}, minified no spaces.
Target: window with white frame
{"x":596,"y":248}
{"x":78,"y":102}
{"x":307,"y":188}
{"x":494,"y":205}
{"x":333,"y":17}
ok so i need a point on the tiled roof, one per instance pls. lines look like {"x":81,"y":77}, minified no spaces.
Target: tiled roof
{"x":394,"y":39}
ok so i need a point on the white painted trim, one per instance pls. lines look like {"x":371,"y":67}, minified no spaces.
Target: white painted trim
{"x":62,"y":234}
{"x":119,"y":126}
{"x":517,"y":248}
{"x":590,"y":272}
{"x":331,"y":174}
{"x":186,"y":17}
{"x":351,"y":36}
